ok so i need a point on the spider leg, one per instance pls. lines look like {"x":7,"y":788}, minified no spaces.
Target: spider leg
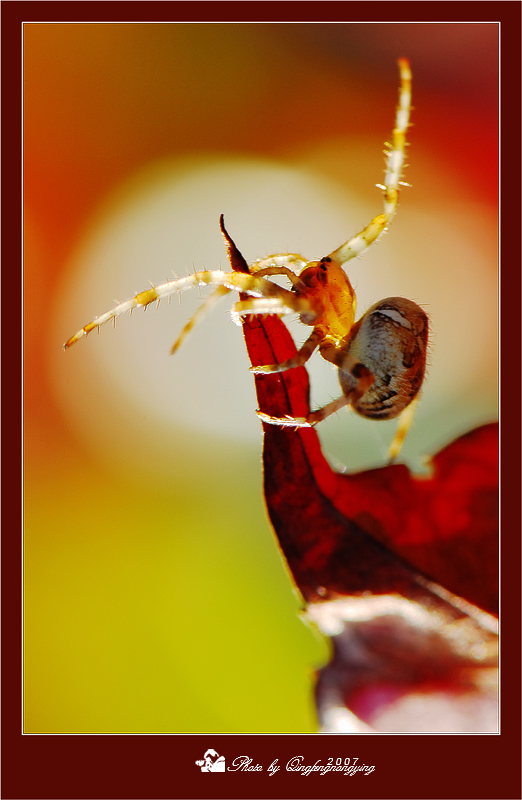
{"x":311,"y":419}
{"x":284,"y":422}
{"x":210,"y":301}
{"x":405,"y":421}
{"x":394,"y":165}
{"x":294,"y":279}
{"x":298,"y":360}
{"x":360,"y":375}
{"x":279,"y":260}
{"x":278,"y":302}
{"x":283,"y":300}
{"x":362,"y":380}
{"x":326,"y":411}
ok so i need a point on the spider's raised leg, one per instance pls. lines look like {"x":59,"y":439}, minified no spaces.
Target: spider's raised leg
{"x":278,"y":300}
{"x":207,"y":304}
{"x":284,"y":260}
{"x":394,"y":166}
{"x":294,"y":279}
{"x":298,"y":360}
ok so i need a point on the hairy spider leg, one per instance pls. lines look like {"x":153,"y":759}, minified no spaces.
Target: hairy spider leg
{"x":281,"y":270}
{"x":362,"y":383}
{"x":394,"y":165}
{"x":205,"y":306}
{"x":302,"y":356}
{"x":267,"y":305}
{"x":276,"y":264}
{"x":279,"y":260}
{"x":221,"y":292}
{"x":282,"y":300}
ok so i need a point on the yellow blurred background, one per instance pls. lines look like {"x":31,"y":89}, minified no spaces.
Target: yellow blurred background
{"x":156,"y":600}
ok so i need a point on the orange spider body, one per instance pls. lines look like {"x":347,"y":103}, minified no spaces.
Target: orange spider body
{"x":330,"y":292}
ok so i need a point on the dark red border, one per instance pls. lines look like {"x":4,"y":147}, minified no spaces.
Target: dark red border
{"x":163,"y":766}
{"x":258,"y":11}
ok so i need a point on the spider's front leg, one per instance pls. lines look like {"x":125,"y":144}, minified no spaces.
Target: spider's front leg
{"x":299,"y":360}
{"x":395,"y":158}
{"x":269,"y":298}
{"x":277,"y":264}
{"x":361,"y":380}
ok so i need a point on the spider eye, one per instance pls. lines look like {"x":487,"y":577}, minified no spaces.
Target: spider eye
{"x":323,"y":262}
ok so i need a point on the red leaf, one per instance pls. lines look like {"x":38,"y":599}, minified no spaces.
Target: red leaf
{"x":444,"y":525}
{"x":390,"y":565}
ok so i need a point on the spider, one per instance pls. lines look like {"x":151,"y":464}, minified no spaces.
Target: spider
{"x":381,"y":358}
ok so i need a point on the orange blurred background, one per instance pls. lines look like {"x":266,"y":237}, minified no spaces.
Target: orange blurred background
{"x":155,"y":597}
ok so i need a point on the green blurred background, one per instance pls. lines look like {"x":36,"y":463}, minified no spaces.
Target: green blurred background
{"x":156,"y":600}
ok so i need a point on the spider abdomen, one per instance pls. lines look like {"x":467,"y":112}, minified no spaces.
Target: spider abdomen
{"x":390,"y":340}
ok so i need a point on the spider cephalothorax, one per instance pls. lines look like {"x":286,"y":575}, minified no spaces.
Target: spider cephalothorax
{"x":381,"y":358}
